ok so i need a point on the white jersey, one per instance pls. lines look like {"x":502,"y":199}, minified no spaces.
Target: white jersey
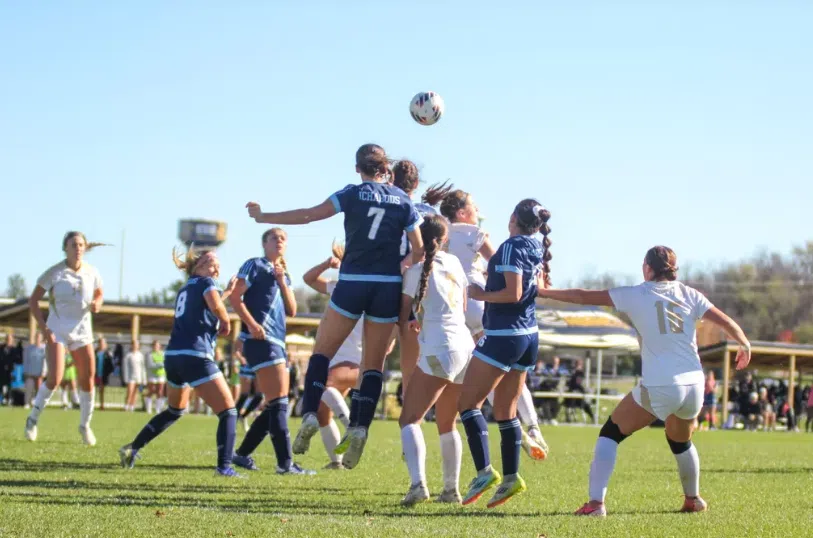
{"x":442,"y":315}
{"x":71,"y":293}
{"x":350,"y":350}
{"x":664,"y":314}
{"x":465,"y":241}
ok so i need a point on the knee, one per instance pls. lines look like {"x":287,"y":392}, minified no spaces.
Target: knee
{"x":611,"y":431}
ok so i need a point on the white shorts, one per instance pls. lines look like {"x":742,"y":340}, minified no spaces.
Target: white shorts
{"x":345,"y":359}
{"x":450,"y":365}
{"x":133,"y":371}
{"x":156,"y":380}
{"x":474,"y":316}
{"x":683,"y":401}
{"x":72,"y":335}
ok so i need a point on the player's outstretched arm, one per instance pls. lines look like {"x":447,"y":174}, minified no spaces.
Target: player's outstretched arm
{"x":732,"y":329}
{"x":323,"y":211}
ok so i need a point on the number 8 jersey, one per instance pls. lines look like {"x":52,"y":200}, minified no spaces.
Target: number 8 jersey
{"x":375,"y":217}
{"x":194,"y":331}
{"x":664,"y":314}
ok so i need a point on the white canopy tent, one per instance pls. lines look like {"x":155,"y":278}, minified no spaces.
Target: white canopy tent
{"x":583,"y":329}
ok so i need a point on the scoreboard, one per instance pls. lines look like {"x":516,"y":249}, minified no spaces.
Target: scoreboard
{"x":203,"y":233}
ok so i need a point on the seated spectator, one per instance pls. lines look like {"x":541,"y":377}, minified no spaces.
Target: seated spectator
{"x":767,"y":409}
{"x":576,"y":384}
{"x":751,"y":412}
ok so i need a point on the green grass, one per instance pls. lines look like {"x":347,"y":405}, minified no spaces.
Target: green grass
{"x":757,"y":484}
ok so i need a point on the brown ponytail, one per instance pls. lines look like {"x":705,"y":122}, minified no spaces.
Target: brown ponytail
{"x":437,"y":193}
{"x":433,"y":232}
{"x":405,"y":176}
{"x":663,"y":262}
{"x":372,"y":161}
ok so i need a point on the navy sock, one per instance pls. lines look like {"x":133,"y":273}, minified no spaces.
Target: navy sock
{"x":278,"y":428}
{"x":156,"y":426}
{"x":315,"y":379}
{"x":368,"y":395}
{"x":354,"y":406}
{"x":510,"y":444}
{"x":253,"y":404}
{"x":477,"y":435}
{"x":241,"y":401}
{"x":255,"y":434}
{"x":226,"y":433}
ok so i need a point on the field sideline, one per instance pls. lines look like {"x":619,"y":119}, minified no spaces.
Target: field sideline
{"x":757,"y":484}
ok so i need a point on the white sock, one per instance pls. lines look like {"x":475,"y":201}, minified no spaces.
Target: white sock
{"x":451,"y":450}
{"x":159,"y":407}
{"x":64,"y":398}
{"x":40,"y":401}
{"x":75,"y":396}
{"x":602,"y":467}
{"x":335,"y":401}
{"x":86,"y":404}
{"x":525,"y":408}
{"x":414,"y":452}
{"x":149,"y":401}
{"x":331,"y":437}
{"x":689,"y":470}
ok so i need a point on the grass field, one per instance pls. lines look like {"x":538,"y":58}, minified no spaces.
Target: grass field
{"x":757,"y":484}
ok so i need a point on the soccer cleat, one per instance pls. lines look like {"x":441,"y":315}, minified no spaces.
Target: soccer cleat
{"x":295,"y":469}
{"x":128,"y":456}
{"x":309,"y":428}
{"x":694,"y":504}
{"x":592,"y":509}
{"x":352,"y":446}
{"x":449,"y":496}
{"x":246,"y":462}
{"x":481,"y":483}
{"x":227,"y":472}
{"x":334,"y":466}
{"x":534,"y":444}
{"x":87,"y":435}
{"x":417,"y":493}
{"x":509,"y":487}
{"x":30,"y":429}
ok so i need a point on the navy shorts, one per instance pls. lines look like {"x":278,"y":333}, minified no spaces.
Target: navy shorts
{"x":516,"y":352}
{"x":262,"y":353}
{"x":246,"y":371}
{"x":377,"y":301}
{"x":189,"y":370}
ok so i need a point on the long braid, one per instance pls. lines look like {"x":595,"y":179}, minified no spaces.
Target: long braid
{"x":433,"y":232}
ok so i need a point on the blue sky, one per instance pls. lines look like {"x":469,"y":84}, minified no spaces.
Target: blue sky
{"x":682,"y":123}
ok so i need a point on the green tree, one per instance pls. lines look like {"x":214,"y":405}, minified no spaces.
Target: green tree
{"x":16,"y":288}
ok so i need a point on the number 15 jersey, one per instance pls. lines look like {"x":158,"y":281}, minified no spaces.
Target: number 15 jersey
{"x":375,"y":217}
{"x":664,"y":314}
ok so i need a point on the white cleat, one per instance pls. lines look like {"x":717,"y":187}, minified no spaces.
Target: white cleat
{"x":31,"y":429}
{"x":352,"y":446}
{"x":417,"y":493}
{"x":534,"y":444}
{"x":87,"y":435}
{"x":309,"y":428}
{"x":449,"y":496}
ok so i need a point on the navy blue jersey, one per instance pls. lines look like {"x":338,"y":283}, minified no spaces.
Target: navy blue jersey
{"x":375,"y":217}
{"x":263,"y":299}
{"x":423,"y":210}
{"x":522,"y":255}
{"x":194,"y":330}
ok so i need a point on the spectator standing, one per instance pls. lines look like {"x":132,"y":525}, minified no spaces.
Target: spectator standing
{"x":133,"y":375}
{"x":34,"y":367}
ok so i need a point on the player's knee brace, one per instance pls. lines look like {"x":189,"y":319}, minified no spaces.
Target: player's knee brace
{"x":679,"y":447}
{"x":610,"y":431}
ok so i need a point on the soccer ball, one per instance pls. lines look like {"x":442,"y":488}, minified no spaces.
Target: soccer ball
{"x":426,"y":108}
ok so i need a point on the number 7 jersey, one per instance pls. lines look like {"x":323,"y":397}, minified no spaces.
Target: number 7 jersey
{"x":375,"y":217}
{"x":194,"y":331}
{"x":664,"y":314}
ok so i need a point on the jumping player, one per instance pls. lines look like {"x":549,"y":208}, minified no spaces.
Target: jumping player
{"x":376,"y":215}
{"x":75,"y":290}
{"x":200,"y":317}
{"x":664,"y":312}
{"x":473,"y":248}
{"x":263,"y":297}
{"x":508,"y":349}
{"x":435,"y":290}
{"x":344,"y":366}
